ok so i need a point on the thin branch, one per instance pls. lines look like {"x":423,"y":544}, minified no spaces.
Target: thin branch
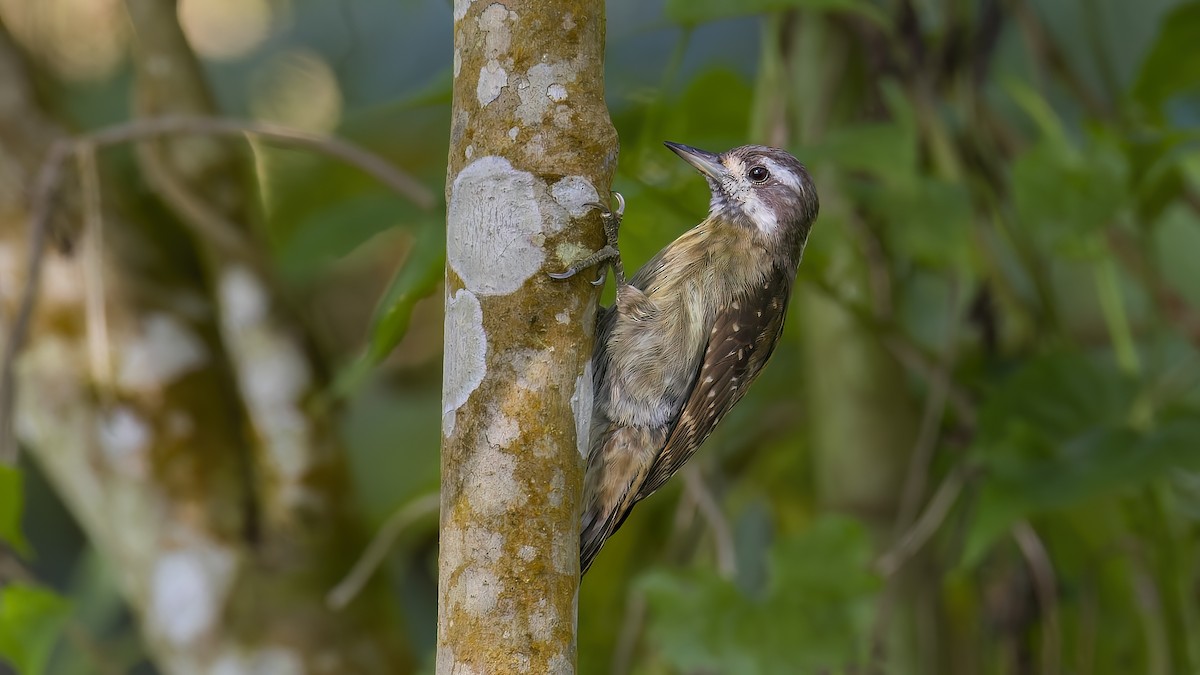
{"x":99,"y":354}
{"x":910,"y":355}
{"x":698,"y":490}
{"x":204,"y":221}
{"x":182,"y":125}
{"x":636,"y":607}
{"x":377,"y":550}
{"x":42,"y":204}
{"x":931,"y":420}
{"x":926,"y":525}
{"x":1045,"y":586}
{"x":631,"y":631}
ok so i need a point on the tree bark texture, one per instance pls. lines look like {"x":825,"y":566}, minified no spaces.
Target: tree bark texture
{"x":531,"y":145}
{"x":174,"y":411}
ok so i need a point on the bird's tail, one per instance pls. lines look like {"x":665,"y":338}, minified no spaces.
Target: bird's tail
{"x":615,"y":471}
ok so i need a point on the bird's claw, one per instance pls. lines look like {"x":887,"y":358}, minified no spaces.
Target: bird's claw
{"x":610,"y":254}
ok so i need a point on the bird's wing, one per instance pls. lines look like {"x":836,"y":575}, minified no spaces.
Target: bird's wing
{"x":743,"y":336}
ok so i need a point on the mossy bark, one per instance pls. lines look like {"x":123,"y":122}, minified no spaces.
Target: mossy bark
{"x":531,"y":145}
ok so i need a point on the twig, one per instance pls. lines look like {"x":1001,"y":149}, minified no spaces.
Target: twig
{"x":908,"y":353}
{"x":1045,"y":586}
{"x":931,"y":421}
{"x":1149,"y":600}
{"x":99,"y":354}
{"x":204,"y":221}
{"x":918,"y":467}
{"x":377,"y":550}
{"x":370,"y":163}
{"x":636,"y":607}
{"x":912,"y":358}
{"x":924,"y":527}
{"x":631,"y":630}
{"x":698,"y":490}
{"x":41,"y":206}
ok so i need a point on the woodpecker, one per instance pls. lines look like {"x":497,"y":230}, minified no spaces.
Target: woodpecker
{"x":691,"y":330}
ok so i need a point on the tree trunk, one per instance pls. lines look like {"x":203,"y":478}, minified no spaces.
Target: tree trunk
{"x":531,"y":144}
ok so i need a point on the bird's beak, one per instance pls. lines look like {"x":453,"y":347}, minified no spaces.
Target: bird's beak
{"x":708,"y":163}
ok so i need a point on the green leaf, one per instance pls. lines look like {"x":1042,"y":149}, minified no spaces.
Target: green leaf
{"x":1171,"y":67}
{"x":885,"y":150}
{"x":419,"y":276}
{"x":31,"y":621}
{"x":12,"y":499}
{"x":334,"y":230}
{"x":700,"y":11}
{"x":1064,"y":196}
{"x":1051,"y":400}
{"x":927,"y":221}
{"x":1100,"y":463}
{"x":815,"y":614}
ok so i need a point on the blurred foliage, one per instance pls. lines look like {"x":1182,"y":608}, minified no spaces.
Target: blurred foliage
{"x":12,"y":495}
{"x":30,"y":621}
{"x":1010,"y":211}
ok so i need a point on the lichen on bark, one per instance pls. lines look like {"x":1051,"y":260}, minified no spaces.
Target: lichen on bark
{"x":531,"y":144}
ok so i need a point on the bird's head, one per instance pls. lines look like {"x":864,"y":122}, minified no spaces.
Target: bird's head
{"x":756,"y":186}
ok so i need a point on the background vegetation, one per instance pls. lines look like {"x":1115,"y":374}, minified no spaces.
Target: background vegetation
{"x":976,"y":451}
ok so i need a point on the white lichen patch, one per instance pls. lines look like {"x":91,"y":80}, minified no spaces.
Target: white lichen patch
{"x":575,"y":193}
{"x":12,"y":267}
{"x":492,"y":80}
{"x":532,"y":367}
{"x":494,"y":488}
{"x":527,"y":553}
{"x":460,"y":9}
{"x":472,"y":546}
{"x":273,"y":383}
{"x":264,"y":661}
{"x":560,"y":664}
{"x":556,"y":92}
{"x":558,"y":484}
{"x":493,"y":218}
{"x":568,"y":252}
{"x":124,"y":438}
{"x":457,"y":63}
{"x":564,"y":555}
{"x":469,"y":152}
{"x":562,"y":116}
{"x":563,"y":317}
{"x":502,"y":431}
{"x":542,"y":622}
{"x":581,"y":406}
{"x":568,"y":21}
{"x":476,"y":591}
{"x":534,"y":89}
{"x":163,"y":350}
{"x":465,"y":359}
{"x":273,"y":376}
{"x":244,"y":301}
{"x":493,"y":23}
{"x":61,"y":282}
{"x":188,"y":587}
{"x":512,"y":133}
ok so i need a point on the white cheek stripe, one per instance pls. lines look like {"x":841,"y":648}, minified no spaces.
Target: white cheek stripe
{"x":783,"y":175}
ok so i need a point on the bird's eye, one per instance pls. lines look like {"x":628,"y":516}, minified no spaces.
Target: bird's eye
{"x":759,"y":175}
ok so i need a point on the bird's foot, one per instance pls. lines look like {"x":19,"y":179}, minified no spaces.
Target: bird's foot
{"x":610,"y":254}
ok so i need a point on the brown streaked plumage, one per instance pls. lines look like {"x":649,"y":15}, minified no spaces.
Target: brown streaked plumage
{"x":692,"y":329}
